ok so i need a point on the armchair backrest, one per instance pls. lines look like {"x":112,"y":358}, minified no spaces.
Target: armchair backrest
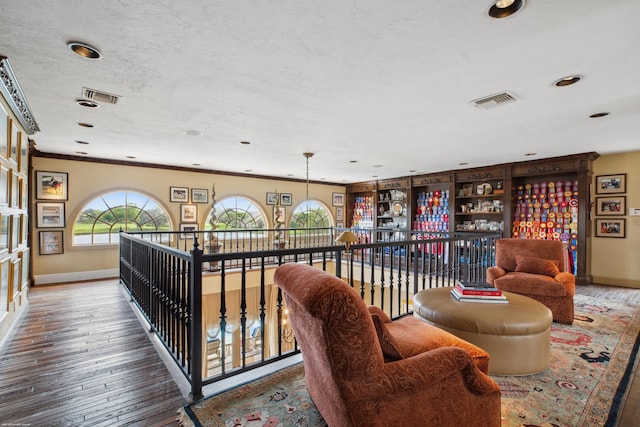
{"x":331,"y":323}
{"x":508,"y":249}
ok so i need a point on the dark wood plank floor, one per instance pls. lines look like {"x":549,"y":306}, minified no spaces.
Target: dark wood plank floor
{"x":80,"y":357}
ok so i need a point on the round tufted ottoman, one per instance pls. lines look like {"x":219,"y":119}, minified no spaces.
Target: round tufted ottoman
{"x":516,"y":335}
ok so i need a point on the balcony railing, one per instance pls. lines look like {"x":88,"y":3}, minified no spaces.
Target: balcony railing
{"x":220,"y":314}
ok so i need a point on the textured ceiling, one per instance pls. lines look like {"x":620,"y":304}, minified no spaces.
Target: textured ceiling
{"x":385,"y":83}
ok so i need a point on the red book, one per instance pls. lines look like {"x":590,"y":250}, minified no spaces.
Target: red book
{"x":492,"y":292}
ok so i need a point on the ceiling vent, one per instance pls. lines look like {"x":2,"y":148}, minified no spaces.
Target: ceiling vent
{"x":98,"y":96}
{"x":492,"y":101}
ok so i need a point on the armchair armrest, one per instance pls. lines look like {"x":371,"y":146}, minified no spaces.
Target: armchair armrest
{"x":568,"y":280}
{"x":378,"y":312}
{"x":494,"y":273}
{"x":420,"y":372}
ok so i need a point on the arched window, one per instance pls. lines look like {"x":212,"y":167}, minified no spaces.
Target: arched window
{"x":310,"y":214}
{"x":100,"y":221}
{"x":237,"y":213}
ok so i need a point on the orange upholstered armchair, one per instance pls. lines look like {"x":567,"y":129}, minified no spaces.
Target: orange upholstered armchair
{"x":348,"y":377}
{"x":536,"y":269}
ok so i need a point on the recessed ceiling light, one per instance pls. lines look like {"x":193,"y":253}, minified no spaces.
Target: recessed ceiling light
{"x":597,"y":115}
{"x":131,"y":157}
{"x":81,"y":152}
{"x":85,"y":125}
{"x":374,"y":176}
{"x":195,"y":164}
{"x":248,"y":170}
{"x":463,"y":163}
{"x":504,"y":8}
{"x":82,"y":142}
{"x":245,"y":142}
{"x":87,"y":103}
{"x":194,"y":132}
{"x":289,"y":174}
{"x":377,"y":166}
{"x":412,"y":170}
{"x":353,"y":161}
{"x":567,"y":81}
{"x":84,"y":50}
{"x":530,"y":154}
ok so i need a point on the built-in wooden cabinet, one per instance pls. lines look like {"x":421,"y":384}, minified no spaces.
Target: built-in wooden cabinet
{"x":513,"y":198}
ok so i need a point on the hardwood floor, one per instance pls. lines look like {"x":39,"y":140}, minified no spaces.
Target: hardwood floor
{"x":80,"y":357}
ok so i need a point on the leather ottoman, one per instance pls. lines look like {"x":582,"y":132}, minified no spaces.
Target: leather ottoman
{"x":516,"y":335}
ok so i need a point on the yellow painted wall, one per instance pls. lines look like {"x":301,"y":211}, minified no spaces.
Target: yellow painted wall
{"x":616,"y":261}
{"x":87,"y":180}
{"x":613,"y":261}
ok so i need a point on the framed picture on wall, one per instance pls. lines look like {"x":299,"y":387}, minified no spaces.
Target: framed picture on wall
{"x":337,"y":199}
{"x":51,"y":242}
{"x":4,"y":124}
{"x":178,"y":194}
{"x":188,"y":231}
{"x":4,"y":284}
{"x":51,"y":185}
{"x":50,"y":215}
{"x":188,"y":213}
{"x":611,"y":205}
{"x":610,"y":227}
{"x":608,"y":184}
{"x":272,"y":198}
{"x":286,"y":199}
{"x":199,"y":195}
{"x":339,"y":214}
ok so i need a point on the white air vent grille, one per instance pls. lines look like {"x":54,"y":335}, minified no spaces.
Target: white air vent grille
{"x":99,"y":96}
{"x":492,"y":101}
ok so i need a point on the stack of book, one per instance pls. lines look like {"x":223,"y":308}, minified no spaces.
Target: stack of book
{"x":478,"y":292}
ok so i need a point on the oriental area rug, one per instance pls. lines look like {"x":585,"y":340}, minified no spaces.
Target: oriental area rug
{"x":591,"y":366}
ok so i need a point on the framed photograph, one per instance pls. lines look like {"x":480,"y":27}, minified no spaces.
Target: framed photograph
{"x":272,"y":198}
{"x":279,"y":215}
{"x":188,"y":231}
{"x":608,"y":184}
{"x":50,"y":215}
{"x":51,"y":242}
{"x":199,"y":195}
{"x":178,"y":194}
{"x":188,"y":213}
{"x":52,"y":185}
{"x":611,"y":205}
{"x":286,"y":199}
{"x":15,"y":144}
{"x":339,"y":214}
{"x":610,"y":227}
{"x":339,"y":224}
{"x":7,"y":152}
{"x":337,"y":199}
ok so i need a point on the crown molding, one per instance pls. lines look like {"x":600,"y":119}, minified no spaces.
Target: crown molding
{"x":14,"y":96}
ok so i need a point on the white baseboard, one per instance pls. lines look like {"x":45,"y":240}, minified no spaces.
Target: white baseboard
{"x":79,"y":276}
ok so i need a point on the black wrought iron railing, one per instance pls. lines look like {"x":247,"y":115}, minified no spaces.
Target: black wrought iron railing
{"x":220,"y":314}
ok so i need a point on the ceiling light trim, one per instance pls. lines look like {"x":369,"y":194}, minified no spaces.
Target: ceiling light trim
{"x":84,"y":50}
{"x":12,"y":92}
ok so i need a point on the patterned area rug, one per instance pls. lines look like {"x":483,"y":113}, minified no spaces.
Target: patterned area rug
{"x":591,"y":367}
